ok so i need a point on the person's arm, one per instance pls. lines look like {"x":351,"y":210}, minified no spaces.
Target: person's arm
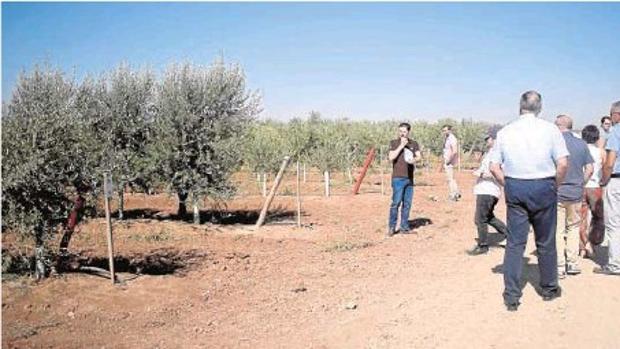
{"x":560,"y":155}
{"x":561,"y":166}
{"x":498,"y":173}
{"x":587,"y":172}
{"x":453,"y":151}
{"x":608,"y":166}
{"x":393,"y":154}
{"x":417,"y":156}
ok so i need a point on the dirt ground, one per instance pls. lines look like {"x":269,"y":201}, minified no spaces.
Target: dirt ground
{"x":337,"y":282}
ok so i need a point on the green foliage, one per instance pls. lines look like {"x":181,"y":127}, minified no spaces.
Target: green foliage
{"x":198,"y":132}
{"x":42,"y":155}
{"x":124,"y":124}
{"x":333,"y":146}
{"x":264,"y":146}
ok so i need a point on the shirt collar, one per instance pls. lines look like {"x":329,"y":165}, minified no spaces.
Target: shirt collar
{"x":528,"y":115}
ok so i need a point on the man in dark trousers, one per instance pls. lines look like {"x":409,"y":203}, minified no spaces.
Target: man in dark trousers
{"x":487,"y":192}
{"x":403,"y":154}
{"x":530,"y":159}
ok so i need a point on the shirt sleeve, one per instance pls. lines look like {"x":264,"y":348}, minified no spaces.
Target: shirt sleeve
{"x":495,"y":155}
{"x":393,"y":145}
{"x":415,"y":147}
{"x":613,"y":142}
{"x":559,"y":149}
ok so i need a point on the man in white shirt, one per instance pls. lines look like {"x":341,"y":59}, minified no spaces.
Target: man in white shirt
{"x":487,"y":192}
{"x":530,"y":159}
{"x":611,"y":181}
{"x":450,"y":159}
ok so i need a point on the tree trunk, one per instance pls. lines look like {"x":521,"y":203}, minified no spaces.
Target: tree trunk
{"x":72,"y":221}
{"x":121,"y":202}
{"x":196,"y":211}
{"x":350,"y":175}
{"x":182,"y":207}
{"x":326,"y":176}
{"x":40,"y":270}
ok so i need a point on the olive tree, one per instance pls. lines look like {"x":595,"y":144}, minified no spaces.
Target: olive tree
{"x":124,"y":126}
{"x":331,"y":149}
{"x":42,"y":161}
{"x":202,"y":113}
{"x":263,"y":149}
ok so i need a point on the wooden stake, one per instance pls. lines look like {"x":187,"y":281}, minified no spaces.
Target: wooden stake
{"x":107,"y":194}
{"x":305,"y":173}
{"x":369,"y":157}
{"x":326,"y":178}
{"x":272,"y":193}
{"x":298,"y":197}
{"x":264,"y":184}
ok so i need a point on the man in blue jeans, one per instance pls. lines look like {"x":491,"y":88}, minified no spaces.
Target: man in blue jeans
{"x":403,"y":154}
{"x":530,"y":159}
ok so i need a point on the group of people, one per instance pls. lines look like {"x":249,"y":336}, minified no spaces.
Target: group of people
{"x":552,"y":179}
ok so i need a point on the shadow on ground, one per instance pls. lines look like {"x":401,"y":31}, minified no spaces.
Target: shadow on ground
{"x":530,"y":274}
{"x":224,"y":217}
{"x":419,"y":222}
{"x":161,"y":261}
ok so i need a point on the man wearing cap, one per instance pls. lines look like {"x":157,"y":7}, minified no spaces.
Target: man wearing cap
{"x":487,"y":192}
{"x":611,"y":181}
{"x":570,"y":195}
{"x":530,"y":159}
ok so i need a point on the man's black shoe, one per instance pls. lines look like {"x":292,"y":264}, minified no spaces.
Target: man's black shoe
{"x":478,"y":250}
{"x":512,"y":306}
{"x":551,"y":295}
{"x":405,"y":231}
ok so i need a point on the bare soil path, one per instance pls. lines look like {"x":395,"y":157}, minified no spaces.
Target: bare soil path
{"x":335,"y":283}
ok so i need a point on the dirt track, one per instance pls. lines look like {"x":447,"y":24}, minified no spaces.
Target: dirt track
{"x":335,"y":283}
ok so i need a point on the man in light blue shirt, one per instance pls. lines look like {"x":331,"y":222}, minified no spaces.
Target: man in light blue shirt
{"x":530,"y":159}
{"x":611,"y":181}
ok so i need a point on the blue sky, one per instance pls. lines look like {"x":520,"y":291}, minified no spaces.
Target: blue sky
{"x":358,"y":60}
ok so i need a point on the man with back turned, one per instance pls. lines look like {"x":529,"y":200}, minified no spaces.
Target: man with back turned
{"x":530,"y":160}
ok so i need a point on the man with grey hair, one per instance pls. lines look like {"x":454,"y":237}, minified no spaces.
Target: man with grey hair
{"x":530,"y":159}
{"x":570,"y":195}
{"x":611,"y":181}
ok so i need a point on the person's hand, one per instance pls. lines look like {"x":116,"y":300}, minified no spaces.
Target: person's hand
{"x":403,"y":141}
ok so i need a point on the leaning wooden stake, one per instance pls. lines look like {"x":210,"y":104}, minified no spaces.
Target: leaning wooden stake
{"x":298,"y":197}
{"x":369,"y":157}
{"x":272,"y":193}
{"x":107,"y":183}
